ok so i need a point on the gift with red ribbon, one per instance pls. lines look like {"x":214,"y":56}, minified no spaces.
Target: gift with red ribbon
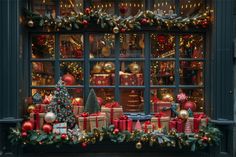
{"x":160,"y":121}
{"x":83,"y":121}
{"x":158,"y":106}
{"x":37,"y":117}
{"x":101,"y":79}
{"x":78,"y":107}
{"x":198,"y":120}
{"x":176,"y":124}
{"x":123,"y":123}
{"x":148,"y":126}
{"x":113,"y":111}
{"x":97,"y":120}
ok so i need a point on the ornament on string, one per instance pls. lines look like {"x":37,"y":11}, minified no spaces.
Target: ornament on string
{"x":138,"y":145}
{"x":47,"y":128}
{"x":30,"y":108}
{"x":115,"y":30}
{"x":183,"y":114}
{"x":50,"y":117}
{"x":30,"y":23}
{"x":123,"y":9}
{"x":68,"y":79}
{"x":27,"y":126}
{"x":190,"y":105}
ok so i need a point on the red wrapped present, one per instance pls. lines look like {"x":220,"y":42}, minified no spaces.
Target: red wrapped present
{"x":148,"y":127}
{"x":160,"y":121}
{"x":140,"y":80}
{"x":83,"y":121}
{"x":37,"y":118}
{"x":176,"y":124}
{"x":123,"y":123}
{"x":127,"y":79}
{"x":198,"y":120}
{"x":163,"y":107}
{"x":97,"y":120}
{"x":113,"y":111}
{"x":101,"y":79}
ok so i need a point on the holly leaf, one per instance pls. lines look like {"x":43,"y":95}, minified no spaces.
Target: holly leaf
{"x":41,"y":137}
{"x":33,"y":137}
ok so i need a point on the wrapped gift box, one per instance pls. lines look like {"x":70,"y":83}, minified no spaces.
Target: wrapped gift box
{"x":113,"y":111}
{"x":160,"y":122}
{"x":38,"y":119}
{"x":60,"y":128}
{"x":77,"y":110}
{"x":163,"y":107}
{"x":127,"y":79}
{"x":101,"y":79}
{"x":123,"y":123}
{"x":148,"y":127}
{"x":83,"y":121}
{"x":97,"y":120}
{"x":197,"y":121}
{"x":176,"y":124}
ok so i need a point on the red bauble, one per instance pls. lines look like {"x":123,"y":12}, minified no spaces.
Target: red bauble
{"x":84,"y":144}
{"x":161,"y":39}
{"x":123,"y":9}
{"x":100,"y":101}
{"x":27,"y":126}
{"x":116,"y":131}
{"x":87,"y":11}
{"x":144,"y":21}
{"x":24,"y":134}
{"x":47,"y":128}
{"x":85,"y":23}
{"x":68,"y":79}
{"x":190,"y":105}
{"x":63,"y":136}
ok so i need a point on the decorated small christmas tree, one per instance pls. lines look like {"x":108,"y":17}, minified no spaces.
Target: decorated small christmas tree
{"x":61,"y":105}
{"x":138,"y":126}
{"x":92,"y":105}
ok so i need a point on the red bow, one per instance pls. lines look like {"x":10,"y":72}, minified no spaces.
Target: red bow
{"x":147,"y":122}
{"x":112,"y":105}
{"x":197,"y":120}
{"x":159,"y":115}
{"x":84,"y":114}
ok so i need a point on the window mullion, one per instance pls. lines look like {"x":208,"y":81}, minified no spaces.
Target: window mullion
{"x":147,"y":50}
{"x":57,"y":57}
{"x":117,"y":69}
{"x":177,"y":77}
{"x":86,"y":65}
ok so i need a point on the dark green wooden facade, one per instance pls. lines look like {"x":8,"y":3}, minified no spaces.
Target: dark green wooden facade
{"x":220,"y":85}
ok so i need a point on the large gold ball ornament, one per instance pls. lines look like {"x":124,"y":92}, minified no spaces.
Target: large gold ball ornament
{"x":183,"y":114}
{"x":167,"y":97}
{"x":30,"y":108}
{"x":106,"y":51}
{"x":115,"y":30}
{"x":109,"y":67}
{"x":97,"y":68}
{"x":31,"y":23}
{"x":139,"y":145}
{"x":134,"y":68}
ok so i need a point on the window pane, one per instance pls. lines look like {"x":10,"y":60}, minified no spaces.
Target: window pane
{"x":131,"y":73}
{"x":196,"y":96}
{"x":163,"y":46}
{"x":43,"y":46}
{"x":106,"y":5}
{"x":164,"y":6}
{"x":68,"y":7}
{"x":72,"y":73}
{"x":107,"y":94}
{"x":190,"y":7}
{"x":191,"y":73}
{"x":101,"y":45}
{"x":42,"y":91}
{"x":162,"y":72}
{"x":42,"y":73}
{"x":44,"y":6}
{"x":71,"y":46}
{"x":132,"y":100}
{"x":102,"y":73}
{"x":191,"y":46}
{"x":131,"y":7}
{"x":132,"y":45}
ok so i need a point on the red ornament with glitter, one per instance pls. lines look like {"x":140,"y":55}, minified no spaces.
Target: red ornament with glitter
{"x":68,"y":79}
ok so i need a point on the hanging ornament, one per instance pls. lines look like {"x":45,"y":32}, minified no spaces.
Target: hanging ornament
{"x":123,"y":9}
{"x":139,"y":145}
{"x":63,"y":136}
{"x":68,"y":79}
{"x":24,"y":134}
{"x":31,"y":23}
{"x":47,"y":128}
{"x":109,"y":67}
{"x":115,"y":30}
{"x":50,"y":117}
{"x":97,"y":68}
{"x":27,"y":126}
{"x":30,"y":108}
{"x":167,"y":97}
{"x":134,"y":68}
{"x":77,"y":102}
{"x":190,"y":105}
{"x":183,"y":114}
{"x":106,"y":51}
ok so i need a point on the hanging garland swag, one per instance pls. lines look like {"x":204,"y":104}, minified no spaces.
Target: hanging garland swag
{"x":117,"y":24}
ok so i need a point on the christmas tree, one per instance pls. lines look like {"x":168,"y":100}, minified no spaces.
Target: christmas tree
{"x":92,"y":105}
{"x":61,"y":105}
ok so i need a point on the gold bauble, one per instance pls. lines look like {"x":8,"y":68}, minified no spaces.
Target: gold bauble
{"x":134,"y":68}
{"x":30,"y":108}
{"x":115,"y":30}
{"x":97,"y":68}
{"x":139,"y":145}
{"x":106,"y":51}
{"x":109,"y":67}
{"x":183,"y":114}
{"x":167,"y":97}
